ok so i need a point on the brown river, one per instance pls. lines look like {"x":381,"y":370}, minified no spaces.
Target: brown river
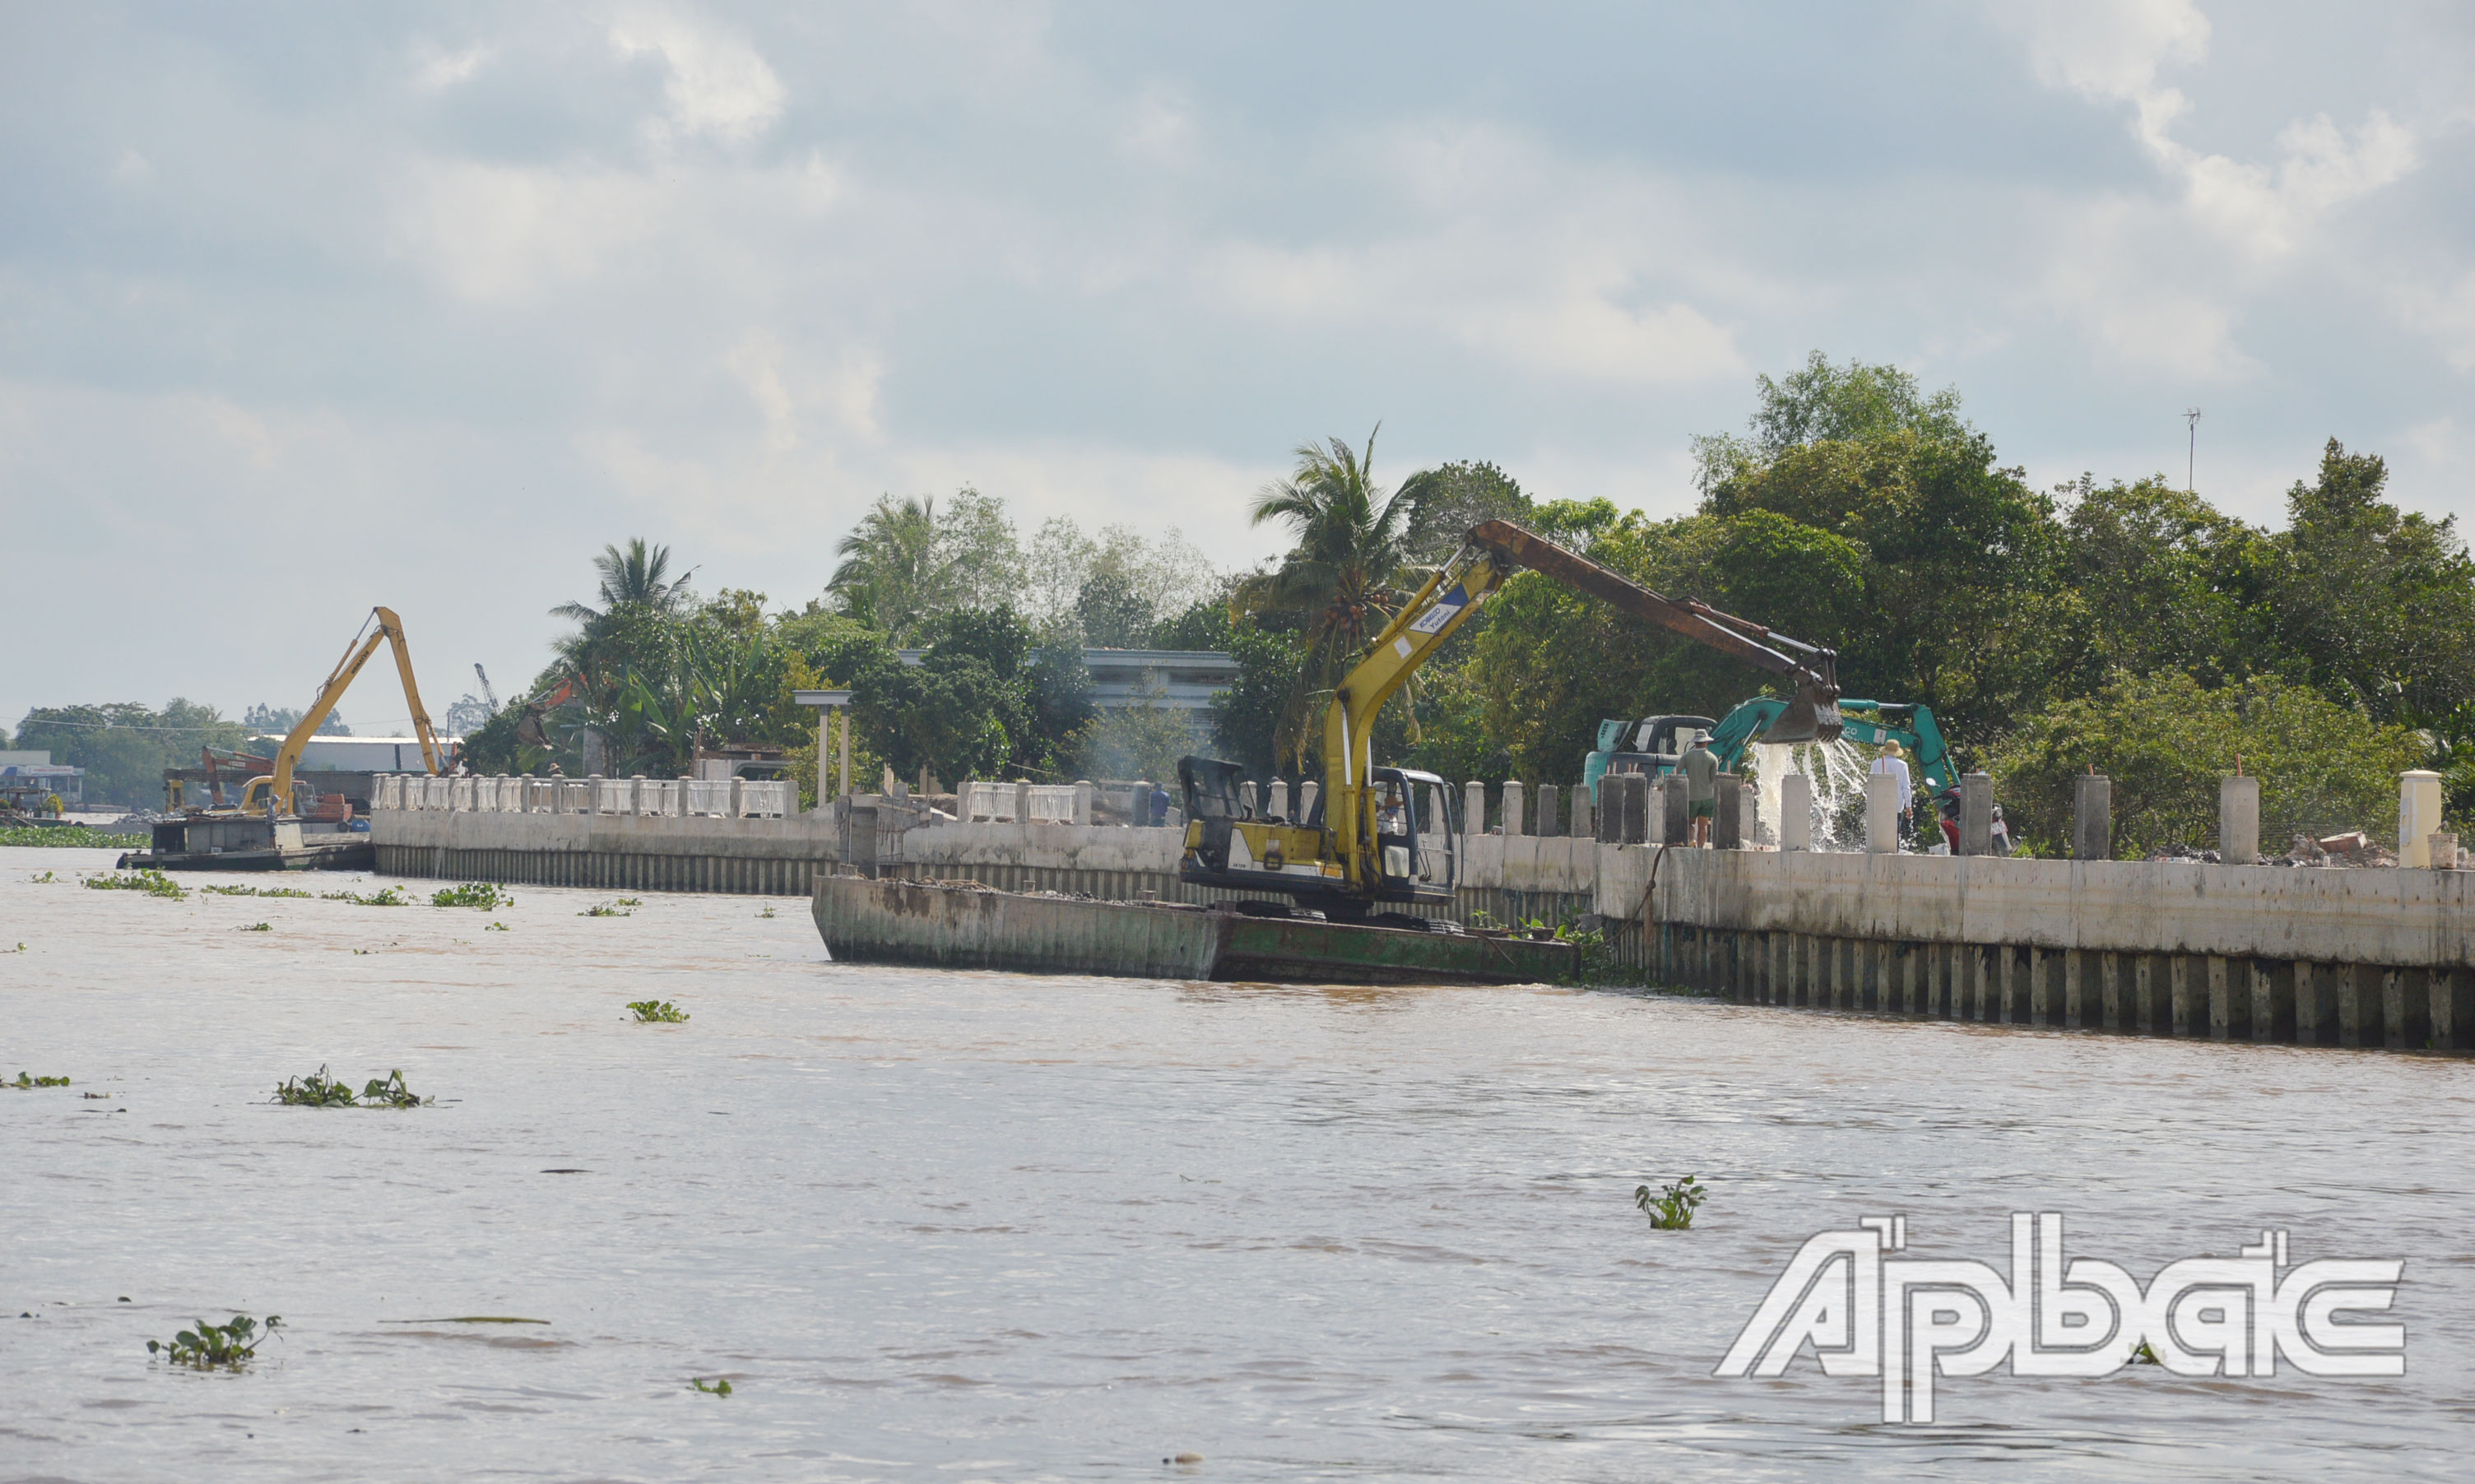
{"x":958,"y":1226}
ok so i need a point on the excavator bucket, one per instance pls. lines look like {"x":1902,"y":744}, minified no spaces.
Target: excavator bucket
{"x":1812,"y":715}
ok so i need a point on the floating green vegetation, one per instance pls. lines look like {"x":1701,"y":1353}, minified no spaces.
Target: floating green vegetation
{"x":44,"y":880}
{"x":21,"y":948}
{"x":1672,"y":1208}
{"x":483,"y":894}
{"x":387,"y":897}
{"x":767,"y":912}
{"x":389,"y":1091}
{"x":721,"y":1386}
{"x":260,"y":927}
{"x":629,"y":901}
{"x":607,"y":910}
{"x":495,"y":927}
{"x":216,"y":1347}
{"x":151,"y":881}
{"x":656,"y":1011}
{"x":23,"y":1081}
{"x":319,"y":1090}
{"x":254,"y":892}
{"x":76,"y":836}
{"x":2143,"y":1356}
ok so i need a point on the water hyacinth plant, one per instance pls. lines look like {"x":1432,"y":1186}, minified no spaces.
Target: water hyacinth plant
{"x":483,"y":894}
{"x":319,"y":1090}
{"x":216,"y":1347}
{"x":656,"y":1011}
{"x":151,"y":881}
{"x":1672,"y":1208}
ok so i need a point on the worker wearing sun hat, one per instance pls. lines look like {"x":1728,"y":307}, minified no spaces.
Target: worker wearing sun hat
{"x":1894,"y":761}
{"x":1700,"y":769}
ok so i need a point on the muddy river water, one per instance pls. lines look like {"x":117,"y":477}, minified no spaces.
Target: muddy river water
{"x":982,"y":1227}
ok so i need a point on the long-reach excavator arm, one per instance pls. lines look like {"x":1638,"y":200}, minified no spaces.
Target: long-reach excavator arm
{"x":1366,"y":845}
{"x":1494,"y":552}
{"x":356,"y":655}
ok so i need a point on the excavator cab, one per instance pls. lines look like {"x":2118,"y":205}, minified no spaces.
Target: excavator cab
{"x":1417,"y":841}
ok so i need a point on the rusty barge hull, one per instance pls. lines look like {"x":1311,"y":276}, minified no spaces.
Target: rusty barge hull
{"x":894,"y":921}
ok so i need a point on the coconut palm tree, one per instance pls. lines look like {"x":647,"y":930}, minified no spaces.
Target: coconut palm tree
{"x":638,"y":575}
{"x":1343,"y":579}
{"x":892,"y":570}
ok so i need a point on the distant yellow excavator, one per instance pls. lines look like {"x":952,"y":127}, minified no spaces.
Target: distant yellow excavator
{"x":276,"y":788}
{"x":1378,"y":835}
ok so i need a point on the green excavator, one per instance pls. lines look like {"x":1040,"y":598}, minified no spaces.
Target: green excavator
{"x":1653,"y":745}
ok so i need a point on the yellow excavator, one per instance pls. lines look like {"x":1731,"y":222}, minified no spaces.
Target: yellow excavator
{"x":276,"y":788}
{"x":1387,"y":835}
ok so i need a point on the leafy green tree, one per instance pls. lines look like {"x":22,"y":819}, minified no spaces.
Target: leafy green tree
{"x":2156,"y":578}
{"x":1142,"y":741}
{"x":1825,"y":404}
{"x":126,"y":745}
{"x":2165,"y":741}
{"x":1245,"y":717}
{"x":905,"y":563}
{"x":1341,"y":581}
{"x":2376,"y":604}
{"x":1448,"y":501}
{"x":636,"y":575}
{"x":280,"y":720}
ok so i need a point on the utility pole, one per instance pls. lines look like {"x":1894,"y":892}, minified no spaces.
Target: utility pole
{"x":2192,"y":453}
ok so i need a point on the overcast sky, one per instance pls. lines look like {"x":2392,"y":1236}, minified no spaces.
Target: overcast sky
{"x":306,"y":308}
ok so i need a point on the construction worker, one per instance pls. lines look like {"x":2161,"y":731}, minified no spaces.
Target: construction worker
{"x":1701,"y":787}
{"x":1895,"y":762}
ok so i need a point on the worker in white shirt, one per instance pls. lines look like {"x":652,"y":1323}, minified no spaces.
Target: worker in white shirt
{"x":1894,"y":761}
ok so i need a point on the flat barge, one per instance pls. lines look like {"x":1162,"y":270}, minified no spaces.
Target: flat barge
{"x":228,"y":843}
{"x":967,"y":926}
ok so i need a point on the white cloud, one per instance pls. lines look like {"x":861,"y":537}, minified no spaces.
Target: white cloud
{"x":494,"y":233}
{"x":718,"y":85}
{"x":435,"y":69}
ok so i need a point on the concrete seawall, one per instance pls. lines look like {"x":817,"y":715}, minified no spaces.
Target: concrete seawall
{"x":2317,"y":957}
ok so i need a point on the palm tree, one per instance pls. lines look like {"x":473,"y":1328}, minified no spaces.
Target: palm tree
{"x":891,"y":570}
{"x":1343,"y":579}
{"x":638,"y":575}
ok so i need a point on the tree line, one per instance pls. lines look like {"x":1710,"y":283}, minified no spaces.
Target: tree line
{"x":2127,"y":626}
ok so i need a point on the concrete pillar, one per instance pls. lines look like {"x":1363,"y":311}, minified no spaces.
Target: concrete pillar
{"x":2229,"y":1015}
{"x":2110,"y":986}
{"x":1022,"y":802}
{"x":2406,"y":1009}
{"x":1474,"y":807}
{"x":1247,"y":798}
{"x":1585,"y":825}
{"x":2092,"y":817}
{"x":1796,"y":813}
{"x":738,"y":796}
{"x":1281,"y":798}
{"x":1547,"y":821}
{"x":2272,"y":1001}
{"x":1084,"y":795}
{"x":1882,"y":803}
{"x":1512,"y":802}
{"x":2237,"y":820}
{"x":2315,"y":1005}
{"x":2359,"y":1005}
{"x":2418,"y":817}
{"x":1307,"y":793}
{"x":2453,"y":1009}
{"x":1975,"y":813}
{"x":592,"y":792}
{"x":1676,"y":812}
{"x":685,"y":808}
{"x":1727,"y":813}
{"x":824,"y":754}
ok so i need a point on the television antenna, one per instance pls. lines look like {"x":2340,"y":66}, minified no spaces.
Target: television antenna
{"x":2192,"y":452}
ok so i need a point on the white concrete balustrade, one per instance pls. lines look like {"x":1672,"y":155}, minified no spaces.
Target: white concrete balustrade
{"x":726,"y":799}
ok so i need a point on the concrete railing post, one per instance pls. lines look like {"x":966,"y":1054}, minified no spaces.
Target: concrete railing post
{"x":1307,"y":793}
{"x":1584,"y":810}
{"x":1796,"y":813}
{"x":1140,"y":807}
{"x":1727,"y":813}
{"x":738,"y":797}
{"x":1474,"y":807}
{"x":1084,"y":793}
{"x":1279,"y":807}
{"x":1513,"y":807}
{"x":1882,"y":803}
{"x":1975,"y":813}
{"x":2092,"y":817}
{"x":2418,"y":816}
{"x":1548,"y":824}
{"x":1675,"y":824}
{"x":593,"y":793}
{"x":1022,"y":802}
{"x":1247,"y":798}
{"x":2237,"y":820}
{"x":685,"y":799}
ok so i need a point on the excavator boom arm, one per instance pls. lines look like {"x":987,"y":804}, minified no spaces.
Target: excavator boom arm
{"x":340,"y":679}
